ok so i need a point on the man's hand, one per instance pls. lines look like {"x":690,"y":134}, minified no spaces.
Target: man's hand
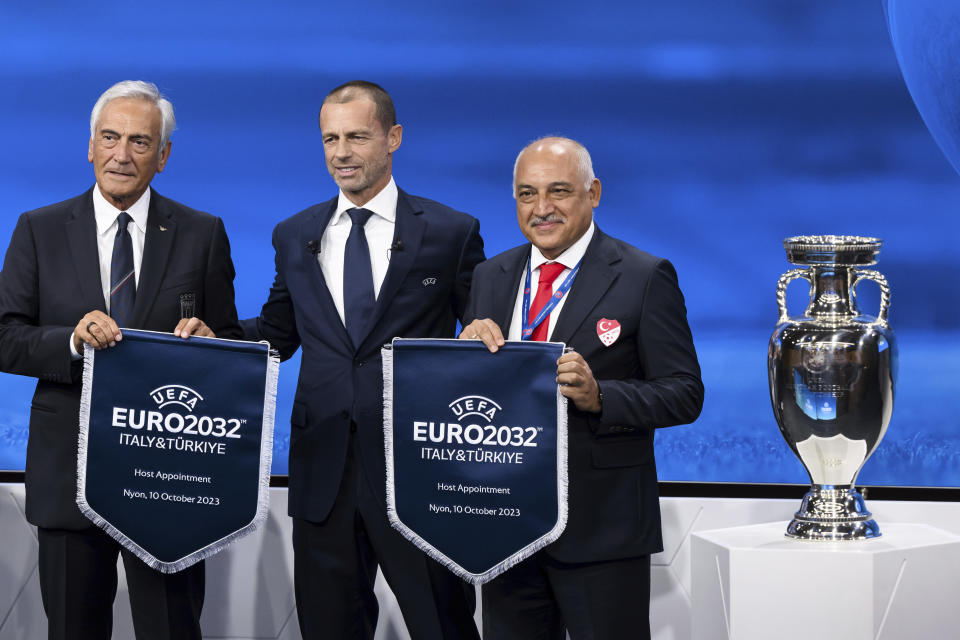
{"x":193,"y":327}
{"x":486,"y":330}
{"x":577,"y":382}
{"x":96,"y":329}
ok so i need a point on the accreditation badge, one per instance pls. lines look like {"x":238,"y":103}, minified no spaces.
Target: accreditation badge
{"x":175,"y":443}
{"x":476,"y":451}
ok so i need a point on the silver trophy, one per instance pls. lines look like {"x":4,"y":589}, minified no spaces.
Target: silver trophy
{"x":832,"y":374}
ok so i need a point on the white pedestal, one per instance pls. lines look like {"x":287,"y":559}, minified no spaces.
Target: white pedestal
{"x":752,"y":583}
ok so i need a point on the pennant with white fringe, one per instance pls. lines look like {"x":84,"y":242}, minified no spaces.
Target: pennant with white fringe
{"x":476,"y":451}
{"x":176,"y":442}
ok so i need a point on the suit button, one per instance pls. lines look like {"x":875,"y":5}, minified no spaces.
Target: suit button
{"x":358,"y":362}
{"x":345,"y":414}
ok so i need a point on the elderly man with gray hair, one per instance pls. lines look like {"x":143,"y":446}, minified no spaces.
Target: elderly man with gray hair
{"x":117,"y":256}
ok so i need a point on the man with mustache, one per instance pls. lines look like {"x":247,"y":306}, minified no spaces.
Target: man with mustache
{"x":77,"y":272}
{"x":632,"y":369}
{"x":351,"y":274}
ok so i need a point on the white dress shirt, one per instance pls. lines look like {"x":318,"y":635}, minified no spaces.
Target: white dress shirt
{"x":106,"y":216}
{"x":569,"y":260}
{"x":378,"y":230}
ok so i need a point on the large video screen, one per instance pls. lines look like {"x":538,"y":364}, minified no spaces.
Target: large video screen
{"x":717,"y":129}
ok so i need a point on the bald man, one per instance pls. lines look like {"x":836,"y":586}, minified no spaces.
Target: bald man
{"x":633,"y":368}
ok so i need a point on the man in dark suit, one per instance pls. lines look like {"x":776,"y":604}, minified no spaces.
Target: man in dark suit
{"x":119,"y":255}
{"x":352,"y":273}
{"x":633,"y":369}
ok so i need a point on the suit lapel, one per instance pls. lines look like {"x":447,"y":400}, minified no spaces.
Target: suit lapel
{"x":593,"y":280}
{"x":508,"y":279}
{"x":311,"y":232}
{"x":408,"y":233}
{"x":157,"y":244}
{"x":81,"y":230}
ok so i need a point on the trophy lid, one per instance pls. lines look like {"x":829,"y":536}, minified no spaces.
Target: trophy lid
{"x":837,"y":250}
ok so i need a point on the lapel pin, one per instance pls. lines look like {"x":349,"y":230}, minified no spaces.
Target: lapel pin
{"x":608,"y":331}
{"x":429,"y":281}
{"x":162,"y":228}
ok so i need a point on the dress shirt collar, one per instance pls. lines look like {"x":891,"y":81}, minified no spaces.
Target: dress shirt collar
{"x":106,"y":214}
{"x":384,"y":204}
{"x":568,"y":258}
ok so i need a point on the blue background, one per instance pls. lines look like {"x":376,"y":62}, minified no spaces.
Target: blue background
{"x":716,"y":129}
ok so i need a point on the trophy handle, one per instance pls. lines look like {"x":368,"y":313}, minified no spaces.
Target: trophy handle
{"x":785,"y":280}
{"x":876,"y":276}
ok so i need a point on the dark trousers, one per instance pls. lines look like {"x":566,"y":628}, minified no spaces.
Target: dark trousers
{"x":78,"y":583}
{"x":542,"y":599}
{"x":335,"y":567}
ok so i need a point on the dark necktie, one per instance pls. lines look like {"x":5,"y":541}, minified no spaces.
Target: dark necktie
{"x":358,"y":296}
{"x":548,"y":273}
{"x":123,"y":284}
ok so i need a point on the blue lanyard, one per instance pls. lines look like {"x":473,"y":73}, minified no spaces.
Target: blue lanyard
{"x":547,"y":308}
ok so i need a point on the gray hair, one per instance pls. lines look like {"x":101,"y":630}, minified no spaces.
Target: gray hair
{"x":584,"y":162}
{"x":137,"y":90}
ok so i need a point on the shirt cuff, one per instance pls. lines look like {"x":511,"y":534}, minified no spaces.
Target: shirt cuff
{"x":73,"y":351}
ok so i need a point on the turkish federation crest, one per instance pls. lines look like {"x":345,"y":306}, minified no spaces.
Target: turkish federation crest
{"x":608,"y":331}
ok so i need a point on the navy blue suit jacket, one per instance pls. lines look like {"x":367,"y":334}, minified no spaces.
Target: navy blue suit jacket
{"x":424,"y":293}
{"x":649,"y":378}
{"x":51,"y":279}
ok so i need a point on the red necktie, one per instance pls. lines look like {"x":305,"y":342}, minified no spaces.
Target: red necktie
{"x":548,"y":273}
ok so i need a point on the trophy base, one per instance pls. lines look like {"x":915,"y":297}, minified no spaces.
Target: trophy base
{"x":833,"y":513}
